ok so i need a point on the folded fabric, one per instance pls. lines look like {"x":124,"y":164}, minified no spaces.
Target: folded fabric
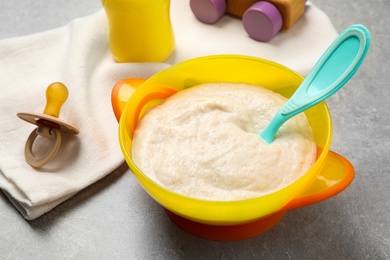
{"x":78,"y":55}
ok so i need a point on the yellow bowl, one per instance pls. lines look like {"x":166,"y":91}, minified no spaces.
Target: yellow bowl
{"x":235,"y":68}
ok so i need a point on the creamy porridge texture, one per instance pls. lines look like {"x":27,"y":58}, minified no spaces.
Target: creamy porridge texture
{"x":203,"y":142}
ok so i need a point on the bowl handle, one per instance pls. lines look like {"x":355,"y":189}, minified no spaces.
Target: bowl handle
{"x":124,"y":89}
{"x":121,"y":93}
{"x":336,"y":175}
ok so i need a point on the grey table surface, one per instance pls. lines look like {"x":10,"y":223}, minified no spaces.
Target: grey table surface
{"x":115,"y":219}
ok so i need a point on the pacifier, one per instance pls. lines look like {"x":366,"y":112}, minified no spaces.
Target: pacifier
{"x":49,"y":125}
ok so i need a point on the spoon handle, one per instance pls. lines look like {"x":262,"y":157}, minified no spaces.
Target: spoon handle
{"x":334,"y":68}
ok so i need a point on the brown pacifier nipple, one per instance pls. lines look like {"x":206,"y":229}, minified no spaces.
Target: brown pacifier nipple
{"x":49,"y":125}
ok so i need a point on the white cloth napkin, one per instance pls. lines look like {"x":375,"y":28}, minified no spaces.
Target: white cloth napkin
{"x":77,"y":54}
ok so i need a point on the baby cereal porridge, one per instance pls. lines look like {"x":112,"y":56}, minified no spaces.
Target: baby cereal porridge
{"x":203,"y":143}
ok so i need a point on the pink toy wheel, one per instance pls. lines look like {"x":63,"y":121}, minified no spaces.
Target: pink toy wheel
{"x":208,"y":11}
{"x":262,"y":21}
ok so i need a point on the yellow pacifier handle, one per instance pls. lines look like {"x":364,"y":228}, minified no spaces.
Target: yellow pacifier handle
{"x":56,"y":95}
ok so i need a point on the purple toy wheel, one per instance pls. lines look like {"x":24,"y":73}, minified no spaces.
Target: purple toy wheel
{"x":208,"y":11}
{"x":262,"y":21}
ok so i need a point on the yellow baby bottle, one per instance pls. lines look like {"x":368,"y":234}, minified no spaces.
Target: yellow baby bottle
{"x":139,"y":30}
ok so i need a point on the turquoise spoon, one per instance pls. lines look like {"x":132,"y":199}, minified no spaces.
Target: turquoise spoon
{"x":335,"y":67}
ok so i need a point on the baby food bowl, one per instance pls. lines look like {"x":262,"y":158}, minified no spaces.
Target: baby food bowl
{"x":232,"y":220}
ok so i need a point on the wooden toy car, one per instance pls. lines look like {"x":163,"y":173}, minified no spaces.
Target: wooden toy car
{"x":262,"y":20}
